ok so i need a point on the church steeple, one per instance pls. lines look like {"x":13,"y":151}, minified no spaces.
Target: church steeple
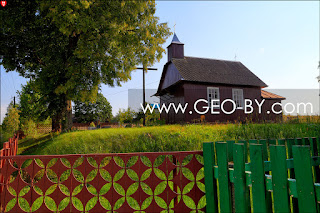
{"x":175,"y":49}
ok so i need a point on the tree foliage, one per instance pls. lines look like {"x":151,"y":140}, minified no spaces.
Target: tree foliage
{"x":89,"y":112}
{"x":152,"y":118}
{"x":29,"y":128}
{"x":30,"y":105}
{"x":126,"y":116}
{"x":70,"y":47}
{"x":11,"y":121}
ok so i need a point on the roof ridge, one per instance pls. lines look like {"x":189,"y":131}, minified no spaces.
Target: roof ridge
{"x":211,"y":59}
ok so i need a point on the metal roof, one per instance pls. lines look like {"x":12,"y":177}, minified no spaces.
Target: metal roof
{"x":175,"y":39}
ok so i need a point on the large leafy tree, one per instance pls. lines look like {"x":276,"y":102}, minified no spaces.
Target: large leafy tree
{"x":86,"y":112}
{"x":70,"y":47}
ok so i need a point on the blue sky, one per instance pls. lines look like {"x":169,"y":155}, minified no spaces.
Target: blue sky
{"x":278,"y":41}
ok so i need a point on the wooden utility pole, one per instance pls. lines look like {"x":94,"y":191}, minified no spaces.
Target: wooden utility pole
{"x":144,"y":69}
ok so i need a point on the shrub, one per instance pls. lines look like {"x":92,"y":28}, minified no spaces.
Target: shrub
{"x":92,"y":124}
{"x":126,"y":116}
{"x":29,"y":128}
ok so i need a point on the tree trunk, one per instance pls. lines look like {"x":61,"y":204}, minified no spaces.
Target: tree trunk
{"x":68,"y":116}
{"x":56,"y":122}
{"x":62,"y":120}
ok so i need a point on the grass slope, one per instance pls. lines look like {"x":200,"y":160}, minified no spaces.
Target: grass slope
{"x":160,"y":138}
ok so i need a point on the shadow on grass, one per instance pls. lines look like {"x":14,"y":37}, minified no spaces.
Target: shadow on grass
{"x":30,"y":146}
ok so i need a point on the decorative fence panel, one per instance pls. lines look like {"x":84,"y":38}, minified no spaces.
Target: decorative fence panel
{"x":135,"y":182}
{"x":44,"y":128}
{"x":263,"y":175}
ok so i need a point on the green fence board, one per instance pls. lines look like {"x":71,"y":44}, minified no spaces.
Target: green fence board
{"x":264,"y":144}
{"x":281,"y":142}
{"x":306,"y":141}
{"x":223,"y":177}
{"x":258,"y":179}
{"x":304,"y":179}
{"x":298,"y":141}
{"x":241,"y":192}
{"x":294,"y":201}
{"x":293,"y":190}
{"x":230,"y":150}
{"x":314,"y":152}
{"x":279,"y":178}
{"x":245,"y":143}
{"x":210,"y":182}
{"x":287,"y":169}
{"x":272,"y":142}
{"x":253,"y":141}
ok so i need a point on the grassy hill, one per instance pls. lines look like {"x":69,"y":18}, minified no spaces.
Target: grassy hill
{"x":159,"y":138}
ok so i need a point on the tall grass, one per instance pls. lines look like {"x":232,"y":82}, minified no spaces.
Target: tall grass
{"x":160,"y":138}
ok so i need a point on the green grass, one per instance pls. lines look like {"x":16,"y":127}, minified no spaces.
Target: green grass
{"x":160,"y":138}
{"x":147,"y":139}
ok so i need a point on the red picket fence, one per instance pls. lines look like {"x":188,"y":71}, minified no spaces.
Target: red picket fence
{"x":132,"y":182}
{"x":10,"y":148}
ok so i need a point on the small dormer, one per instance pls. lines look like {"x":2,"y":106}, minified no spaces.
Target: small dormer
{"x":175,"y":49}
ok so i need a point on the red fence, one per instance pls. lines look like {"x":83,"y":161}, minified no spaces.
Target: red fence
{"x":134,"y":182}
{"x":10,"y":148}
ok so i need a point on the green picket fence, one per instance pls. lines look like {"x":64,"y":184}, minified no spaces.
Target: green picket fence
{"x":262,"y":175}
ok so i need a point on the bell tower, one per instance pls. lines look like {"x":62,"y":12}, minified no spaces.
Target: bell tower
{"x":175,"y":49}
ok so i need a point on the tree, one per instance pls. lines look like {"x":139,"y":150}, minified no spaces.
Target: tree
{"x":89,"y":112}
{"x":152,"y":118}
{"x":11,"y":122}
{"x":126,"y":116}
{"x":30,"y":105}
{"x":70,"y":47}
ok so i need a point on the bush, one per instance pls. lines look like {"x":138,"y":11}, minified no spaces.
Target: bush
{"x":92,"y":124}
{"x":4,"y":136}
{"x":29,"y":128}
{"x":126,"y":116}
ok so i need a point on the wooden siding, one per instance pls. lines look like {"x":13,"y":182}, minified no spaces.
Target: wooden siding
{"x":190,"y":93}
{"x":175,"y":51}
{"x":174,"y":96}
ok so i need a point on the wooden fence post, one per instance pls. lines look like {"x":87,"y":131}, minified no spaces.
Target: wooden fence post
{"x":279,"y":178}
{"x":241,"y":192}
{"x":210,"y":182}
{"x":230,"y":150}
{"x":265,"y":157}
{"x":304,"y":179}
{"x":290,"y":143}
{"x":258,"y":179}
{"x":264,"y":144}
{"x":245,"y":143}
{"x":223,"y":177}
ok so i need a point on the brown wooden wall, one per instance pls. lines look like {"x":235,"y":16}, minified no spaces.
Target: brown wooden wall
{"x":175,"y":51}
{"x":190,"y":93}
